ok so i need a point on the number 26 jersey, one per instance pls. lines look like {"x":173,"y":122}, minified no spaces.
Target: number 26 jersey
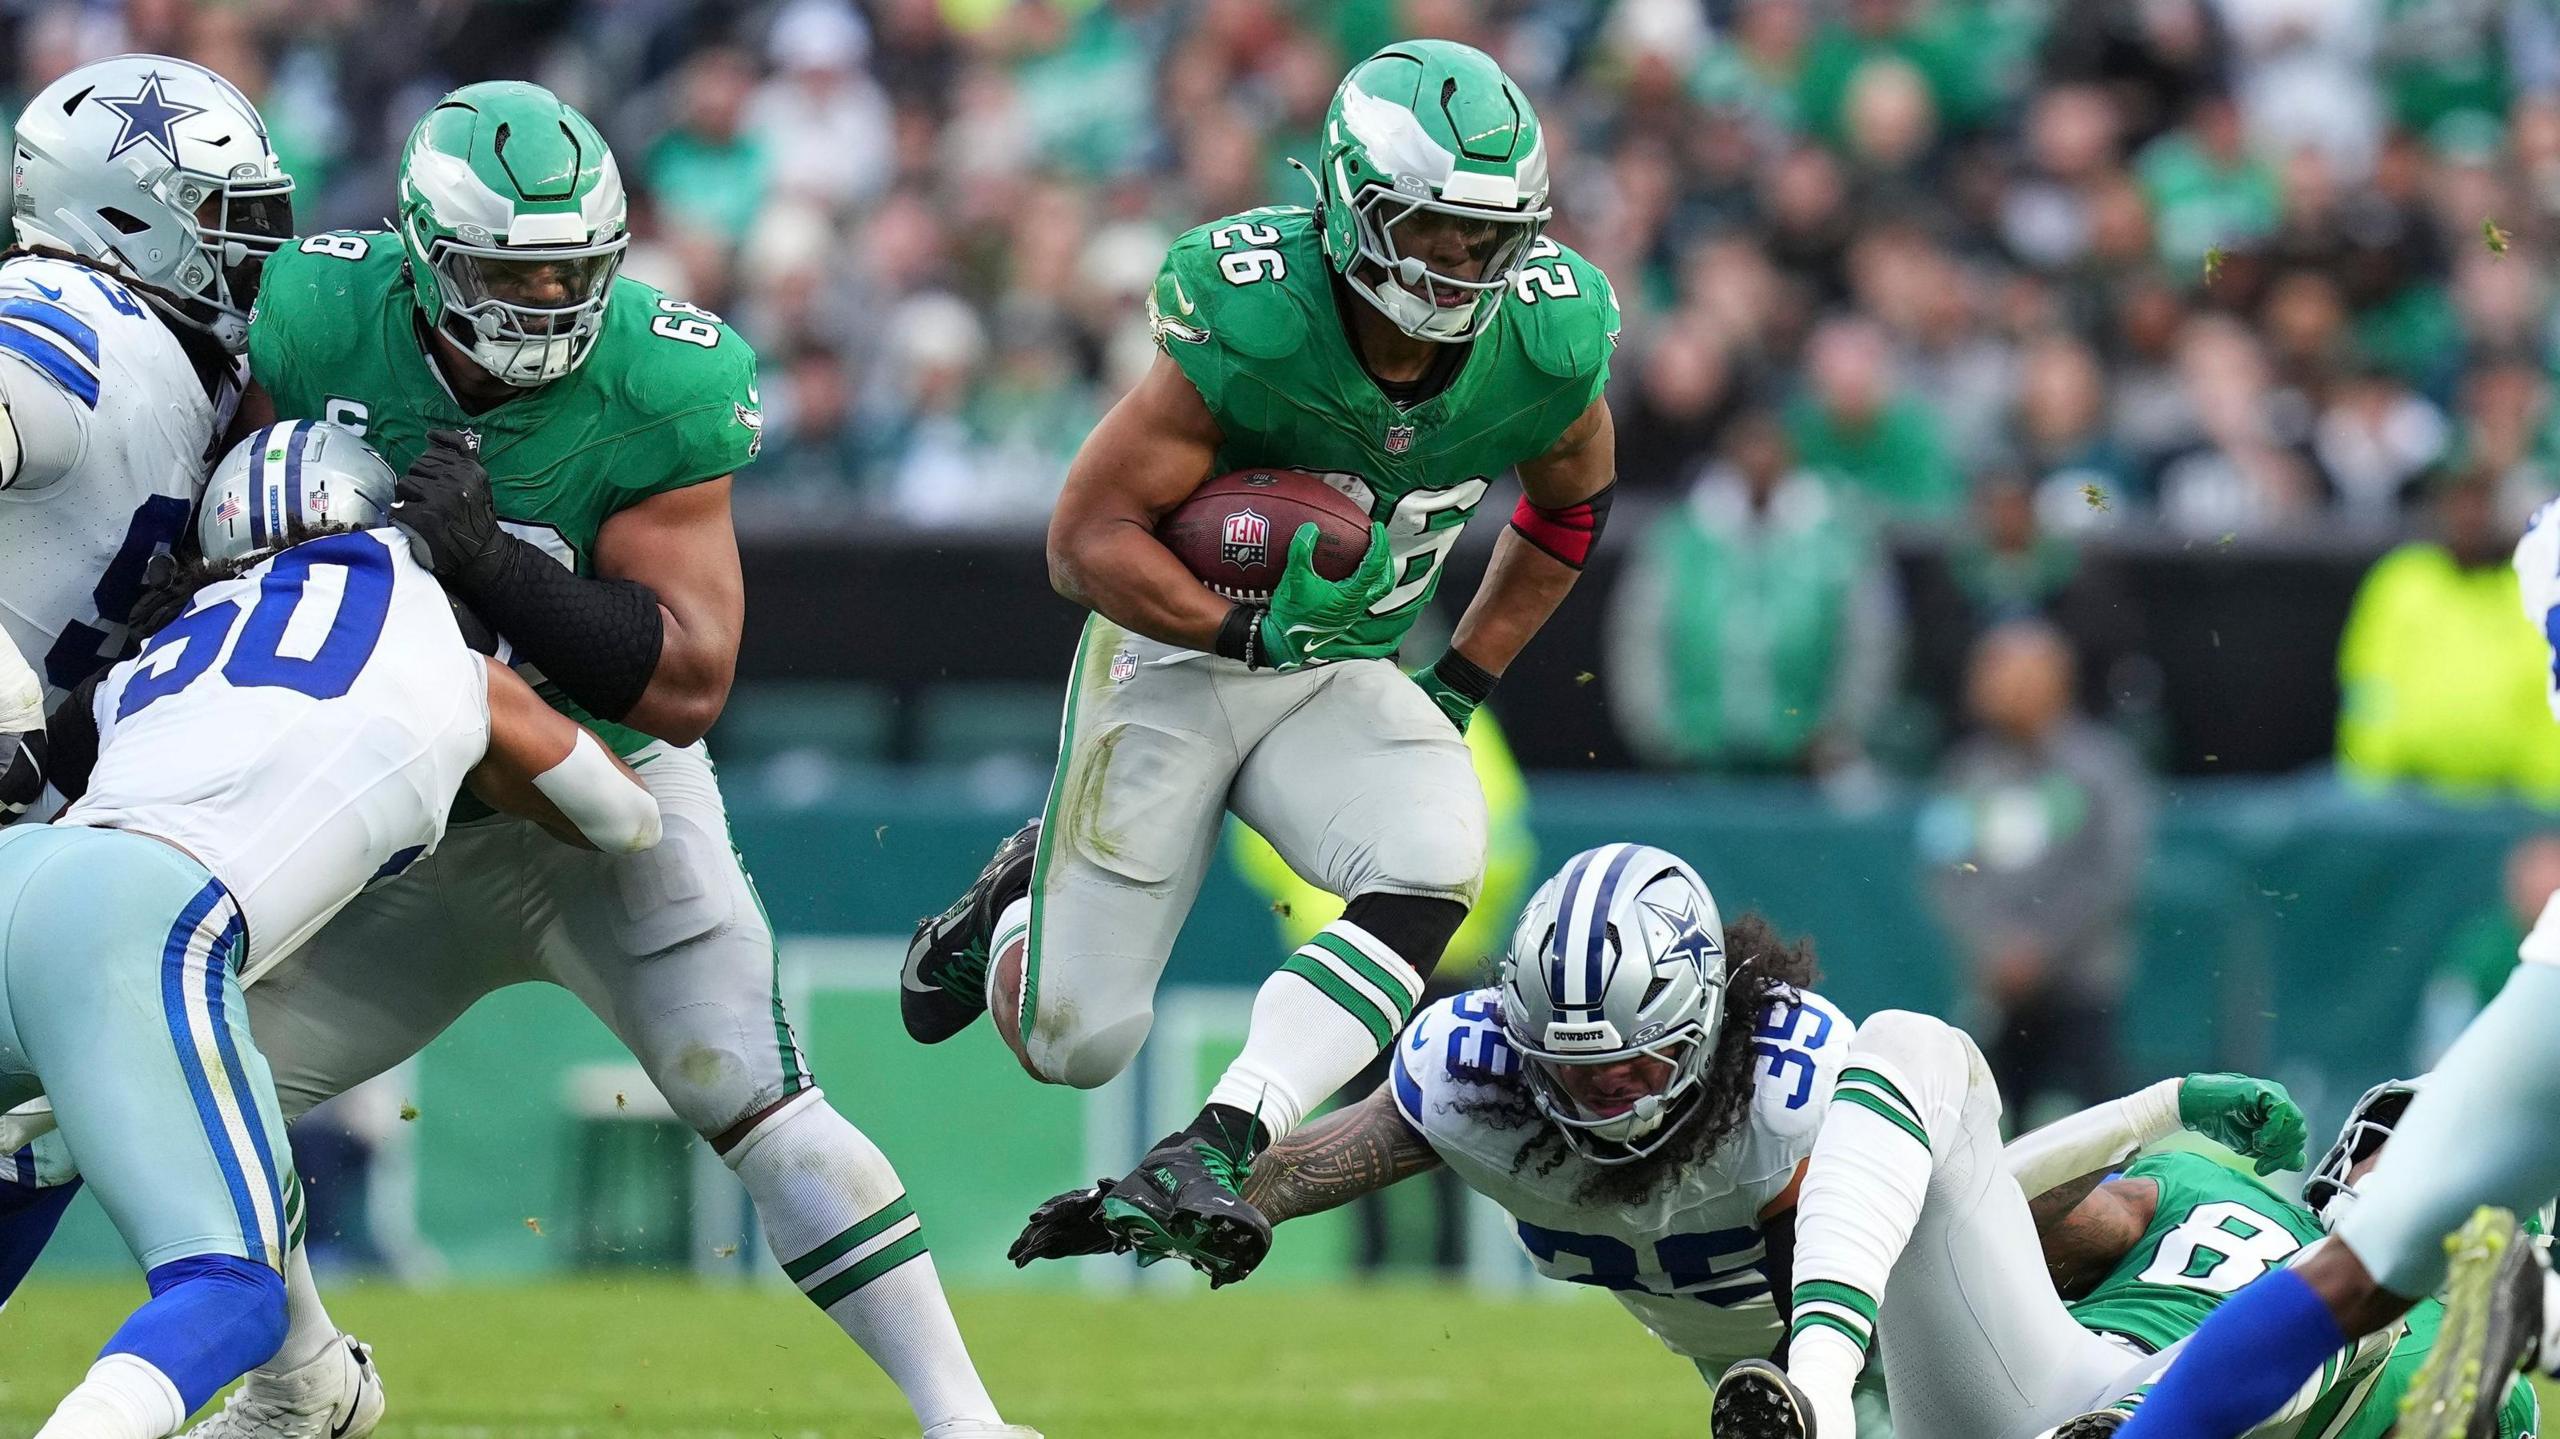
{"x":301,"y":729}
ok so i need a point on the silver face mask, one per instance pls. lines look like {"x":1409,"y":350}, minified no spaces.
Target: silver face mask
{"x":2329,"y":1193}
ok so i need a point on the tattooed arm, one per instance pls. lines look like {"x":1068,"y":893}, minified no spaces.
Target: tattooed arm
{"x":2088,"y":1227}
{"x":1358,"y":1149}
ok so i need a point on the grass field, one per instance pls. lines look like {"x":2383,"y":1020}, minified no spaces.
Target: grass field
{"x":614,"y":1358}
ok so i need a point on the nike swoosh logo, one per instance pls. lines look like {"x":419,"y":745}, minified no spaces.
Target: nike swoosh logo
{"x":347,"y":1420}
{"x":41,"y":288}
{"x":1179,"y":297}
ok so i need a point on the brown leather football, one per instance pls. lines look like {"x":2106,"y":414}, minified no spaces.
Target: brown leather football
{"x":1234,"y":531}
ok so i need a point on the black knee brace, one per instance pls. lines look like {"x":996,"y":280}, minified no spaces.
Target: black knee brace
{"x":1415,"y":927}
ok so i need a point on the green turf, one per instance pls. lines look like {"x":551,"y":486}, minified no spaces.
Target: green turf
{"x":613,"y":1358}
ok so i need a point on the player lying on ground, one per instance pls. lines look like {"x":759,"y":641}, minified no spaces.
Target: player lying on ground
{"x":298,"y":731}
{"x":1908,"y":1201}
{"x":2353,"y":1397}
{"x":589,"y":525}
{"x":147,"y":200}
{"x":1417,"y":336}
{"x":2481,"y":1134}
{"x":1666,"y":1170}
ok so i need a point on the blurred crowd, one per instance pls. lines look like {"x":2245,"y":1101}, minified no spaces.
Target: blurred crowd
{"x":2233,"y":266}
{"x":2015,"y":272}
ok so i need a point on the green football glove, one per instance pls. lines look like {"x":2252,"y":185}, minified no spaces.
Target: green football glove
{"x":1311,"y":617}
{"x":2253,"y":1118}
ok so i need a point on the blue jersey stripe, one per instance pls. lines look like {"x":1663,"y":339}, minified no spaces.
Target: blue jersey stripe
{"x":55,"y":318}
{"x":174,"y":961}
{"x":1408,"y":1092}
{"x":231,"y":950}
{"x":57,"y":363}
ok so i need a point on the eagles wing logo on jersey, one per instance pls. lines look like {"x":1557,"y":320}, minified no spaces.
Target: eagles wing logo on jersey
{"x":1163,"y":327}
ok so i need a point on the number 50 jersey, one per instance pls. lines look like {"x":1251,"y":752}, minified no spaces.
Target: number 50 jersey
{"x":1686,"y":1259}
{"x":301,"y":729}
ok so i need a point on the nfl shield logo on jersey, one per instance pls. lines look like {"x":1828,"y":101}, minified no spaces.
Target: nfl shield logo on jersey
{"x":1246,"y":540}
{"x":1399,"y":439}
{"x":1124,"y":667}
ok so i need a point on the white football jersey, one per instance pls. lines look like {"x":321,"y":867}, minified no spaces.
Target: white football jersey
{"x":1687,"y":1260}
{"x":72,"y":552}
{"x":301,"y":730}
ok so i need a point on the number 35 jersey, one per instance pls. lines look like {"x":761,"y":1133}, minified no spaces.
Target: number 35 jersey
{"x":72,"y":552}
{"x":301,"y":729}
{"x":1247,"y":308}
{"x":1685,"y":1259}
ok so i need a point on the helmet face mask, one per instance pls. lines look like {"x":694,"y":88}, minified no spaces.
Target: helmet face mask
{"x":2331,"y":1191}
{"x":513,"y":217}
{"x":1612,"y":993}
{"x":160,"y":170}
{"x":1432,"y":186}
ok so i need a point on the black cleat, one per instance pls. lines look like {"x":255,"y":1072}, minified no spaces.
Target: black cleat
{"x":1756,"y":1400}
{"x":2492,"y":1323}
{"x":1184,"y":1201}
{"x":943,"y":987}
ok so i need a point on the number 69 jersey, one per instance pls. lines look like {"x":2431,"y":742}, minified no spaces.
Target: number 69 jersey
{"x":72,"y":551}
{"x":1246,"y":308}
{"x":301,"y":729}
{"x":1685,"y":1260}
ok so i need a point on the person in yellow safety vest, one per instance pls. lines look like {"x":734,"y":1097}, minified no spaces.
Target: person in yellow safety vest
{"x":1511,"y":866}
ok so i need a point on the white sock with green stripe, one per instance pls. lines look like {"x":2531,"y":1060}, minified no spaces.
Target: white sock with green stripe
{"x":1317,"y":1023}
{"x":309,"y":1330}
{"x":1861,"y":1199}
{"x":839,"y":1222}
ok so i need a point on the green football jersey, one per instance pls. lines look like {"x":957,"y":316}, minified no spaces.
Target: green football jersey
{"x":665,"y":399}
{"x":2214,"y":1230}
{"x":1246,"y":307}
{"x":2368,"y":1407}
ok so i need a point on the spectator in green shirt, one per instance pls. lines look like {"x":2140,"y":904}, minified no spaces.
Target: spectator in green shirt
{"x":1759,"y":630}
{"x":1854,"y":425}
{"x":710,"y":158}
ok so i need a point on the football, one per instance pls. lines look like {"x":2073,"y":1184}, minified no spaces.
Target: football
{"x":1234,"y":531}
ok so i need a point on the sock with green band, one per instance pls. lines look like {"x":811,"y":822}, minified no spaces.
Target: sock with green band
{"x":1317,"y":1023}
{"x":838,"y":1220}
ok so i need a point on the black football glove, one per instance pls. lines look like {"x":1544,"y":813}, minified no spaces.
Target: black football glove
{"x":159,"y":600}
{"x":1068,"y":1225}
{"x":445,"y":508}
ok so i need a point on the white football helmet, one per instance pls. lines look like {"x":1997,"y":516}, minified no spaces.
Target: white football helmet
{"x":160,"y":169}
{"x":1619,"y":957}
{"x":2329,"y":1193}
{"x":289,"y":481}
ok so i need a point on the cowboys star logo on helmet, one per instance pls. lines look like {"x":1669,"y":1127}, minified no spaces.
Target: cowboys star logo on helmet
{"x":148,"y":116}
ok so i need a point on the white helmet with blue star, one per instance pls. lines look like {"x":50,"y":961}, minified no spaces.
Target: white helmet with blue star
{"x":161,"y":170}
{"x":1612,"y":993}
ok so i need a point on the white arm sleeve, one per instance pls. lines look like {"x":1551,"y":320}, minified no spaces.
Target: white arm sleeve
{"x":42,"y":430}
{"x":2094,"y":1139}
{"x":611,"y":809}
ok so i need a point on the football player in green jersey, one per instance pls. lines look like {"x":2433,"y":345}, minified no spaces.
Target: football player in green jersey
{"x":2175,"y":1234}
{"x":1417,"y":336}
{"x":567,"y":436}
{"x":1907,"y":1179}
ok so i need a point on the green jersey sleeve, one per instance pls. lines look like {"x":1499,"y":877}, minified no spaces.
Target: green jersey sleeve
{"x":691,"y":382}
{"x":316,"y":300}
{"x":1230,"y":308}
{"x":1570,"y":321}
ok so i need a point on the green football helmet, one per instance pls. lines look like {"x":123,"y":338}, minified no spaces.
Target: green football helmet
{"x":514,"y":220}
{"x":1431,"y":182}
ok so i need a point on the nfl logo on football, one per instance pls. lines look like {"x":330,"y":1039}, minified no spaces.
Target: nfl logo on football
{"x":1246,"y":540}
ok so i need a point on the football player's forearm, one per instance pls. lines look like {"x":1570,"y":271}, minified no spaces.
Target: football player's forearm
{"x":690,"y":685}
{"x":1521,"y":591}
{"x":599,"y":640}
{"x":1119,"y":570}
{"x":1358,"y":1149}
